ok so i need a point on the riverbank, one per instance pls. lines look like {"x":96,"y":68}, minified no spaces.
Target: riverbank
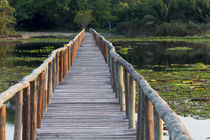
{"x":39,"y":37}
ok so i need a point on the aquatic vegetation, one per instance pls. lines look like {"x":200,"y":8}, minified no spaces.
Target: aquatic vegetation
{"x":179,"y":48}
{"x":11,"y":75}
{"x":180,"y":86}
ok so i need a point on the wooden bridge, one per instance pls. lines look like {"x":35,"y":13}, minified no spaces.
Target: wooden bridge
{"x":87,"y":91}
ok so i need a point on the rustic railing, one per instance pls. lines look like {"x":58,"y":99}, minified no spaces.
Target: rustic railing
{"x":34,"y":92}
{"x":152,"y":109}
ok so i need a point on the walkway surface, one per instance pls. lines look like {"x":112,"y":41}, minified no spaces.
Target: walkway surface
{"x":84,"y":107}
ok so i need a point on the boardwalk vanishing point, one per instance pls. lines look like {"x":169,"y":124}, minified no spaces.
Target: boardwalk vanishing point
{"x":86,"y":91}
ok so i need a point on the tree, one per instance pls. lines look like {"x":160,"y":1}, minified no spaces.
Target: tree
{"x":83,"y":18}
{"x":6,"y":18}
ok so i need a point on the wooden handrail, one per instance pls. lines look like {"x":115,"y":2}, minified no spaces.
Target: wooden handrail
{"x":42,"y":81}
{"x":152,"y":109}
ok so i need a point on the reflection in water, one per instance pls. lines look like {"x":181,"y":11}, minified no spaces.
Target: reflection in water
{"x":158,"y":53}
{"x":16,"y":61}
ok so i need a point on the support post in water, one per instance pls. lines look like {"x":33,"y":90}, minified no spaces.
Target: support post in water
{"x":132,"y":98}
{"x":18,"y":115}
{"x":3,"y":122}
{"x":26,"y":113}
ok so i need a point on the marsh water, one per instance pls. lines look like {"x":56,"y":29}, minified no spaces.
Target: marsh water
{"x":16,"y":61}
{"x":145,"y":54}
{"x":19,"y":59}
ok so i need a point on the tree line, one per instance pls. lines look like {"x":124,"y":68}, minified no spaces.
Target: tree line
{"x":127,"y":17}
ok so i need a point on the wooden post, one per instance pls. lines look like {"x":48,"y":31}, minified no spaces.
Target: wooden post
{"x":126,"y":75}
{"x":33,"y":109}
{"x":113,"y":75}
{"x":45,"y":97}
{"x":66,"y":62}
{"x":158,"y":126}
{"x":69,"y":58}
{"x":41,"y":88}
{"x":107,"y":57}
{"x":50,"y":82}
{"x":3,"y":122}
{"x":140,"y":122}
{"x":26,"y":113}
{"x":121,"y":87}
{"x":149,"y":119}
{"x":132,"y":99}
{"x":57,"y":69}
{"x":53,"y":75}
{"x":61,"y":66}
{"x":117,"y":80}
{"x":18,"y":115}
{"x":71,"y":54}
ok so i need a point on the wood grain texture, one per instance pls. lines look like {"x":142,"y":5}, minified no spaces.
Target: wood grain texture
{"x":84,"y":105}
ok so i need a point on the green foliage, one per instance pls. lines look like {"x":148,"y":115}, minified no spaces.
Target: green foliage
{"x":164,"y":17}
{"x":6,"y":18}
{"x":127,"y":17}
{"x":83,"y":18}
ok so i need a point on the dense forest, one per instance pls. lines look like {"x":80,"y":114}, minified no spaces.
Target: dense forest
{"x":127,"y":17}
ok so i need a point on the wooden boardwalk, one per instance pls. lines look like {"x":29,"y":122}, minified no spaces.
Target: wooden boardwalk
{"x":84,"y":105}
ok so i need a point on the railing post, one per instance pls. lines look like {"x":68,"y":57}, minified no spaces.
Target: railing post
{"x":18,"y":115}
{"x":107,"y":59}
{"x":33,"y":109}
{"x":53,"y":75}
{"x":57,"y":68}
{"x":126,"y":81}
{"x":140,"y":122}
{"x":69,"y":58}
{"x":116,"y":79}
{"x":158,"y":126}
{"x":45,"y":97}
{"x":61,"y":66}
{"x":71,"y":54}
{"x":66,"y":62}
{"x":149,"y":119}
{"x":3,"y":122}
{"x":113,"y":76}
{"x":50,"y":67}
{"x":121,"y":87}
{"x":41,"y":88}
{"x":26,"y":113}
{"x":132,"y":98}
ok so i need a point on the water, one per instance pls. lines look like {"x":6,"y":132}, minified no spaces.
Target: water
{"x":144,"y":54}
{"x":16,"y":61}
